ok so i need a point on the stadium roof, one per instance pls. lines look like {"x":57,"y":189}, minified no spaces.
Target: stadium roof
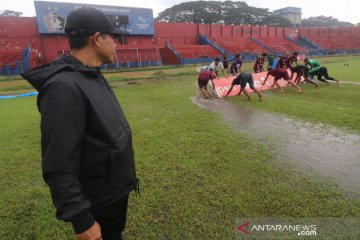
{"x":287,"y":10}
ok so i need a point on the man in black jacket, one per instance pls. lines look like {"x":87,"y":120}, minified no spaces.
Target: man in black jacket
{"x":86,"y":141}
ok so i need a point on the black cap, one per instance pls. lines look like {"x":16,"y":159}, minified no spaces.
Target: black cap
{"x":87,"y":21}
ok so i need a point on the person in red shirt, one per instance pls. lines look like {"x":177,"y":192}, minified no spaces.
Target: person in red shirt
{"x":282,"y":61}
{"x":259,"y":63}
{"x":203,"y":80}
{"x":280,"y":73}
{"x":292,"y":59}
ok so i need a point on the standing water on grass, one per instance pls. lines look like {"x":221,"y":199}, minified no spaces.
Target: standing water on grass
{"x":325,"y":150}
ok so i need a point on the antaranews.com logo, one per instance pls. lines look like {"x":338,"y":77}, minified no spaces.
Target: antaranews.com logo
{"x":300,"y":230}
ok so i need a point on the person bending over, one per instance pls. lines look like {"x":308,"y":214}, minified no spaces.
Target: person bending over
{"x":280,"y":73}
{"x":321,"y":72}
{"x":302,"y":71}
{"x":243,"y":79}
{"x":203,"y":80}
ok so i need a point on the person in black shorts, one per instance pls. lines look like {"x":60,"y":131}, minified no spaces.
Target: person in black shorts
{"x":243,"y":79}
{"x":321,"y":72}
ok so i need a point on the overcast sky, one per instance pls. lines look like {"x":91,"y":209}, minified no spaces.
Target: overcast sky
{"x":343,"y":10}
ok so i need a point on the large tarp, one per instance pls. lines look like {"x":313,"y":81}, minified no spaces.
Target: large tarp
{"x":223,"y":84}
{"x":51,"y":17}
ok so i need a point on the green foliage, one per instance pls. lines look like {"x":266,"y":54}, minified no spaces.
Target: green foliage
{"x":217,"y":12}
{"x":10,"y":13}
{"x":323,"y":21}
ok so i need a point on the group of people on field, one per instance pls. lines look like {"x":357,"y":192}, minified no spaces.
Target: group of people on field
{"x":279,"y":70}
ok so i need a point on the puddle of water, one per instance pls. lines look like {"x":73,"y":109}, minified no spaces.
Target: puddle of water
{"x":356,"y":83}
{"x":328,"y":151}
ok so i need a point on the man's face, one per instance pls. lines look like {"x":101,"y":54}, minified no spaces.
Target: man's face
{"x":106,"y":47}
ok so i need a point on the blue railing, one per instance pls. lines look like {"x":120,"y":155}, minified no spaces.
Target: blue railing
{"x":317,"y":46}
{"x":18,"y":66}
{"x":207,"y":41}
{"x":310,"y":47}
{"x":173,"y":49}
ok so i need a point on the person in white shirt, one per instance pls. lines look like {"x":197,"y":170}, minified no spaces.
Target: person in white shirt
{"x":217,"y":66}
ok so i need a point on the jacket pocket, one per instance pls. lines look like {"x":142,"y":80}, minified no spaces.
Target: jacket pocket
{"x":122,"y":178}
{"x":94,"y":164}
{"x":94,"y":173}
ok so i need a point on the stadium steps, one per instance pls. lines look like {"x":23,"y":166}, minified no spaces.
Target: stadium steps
{"x":311,"y":43}
{"x":312,"y":49}
{"x":207,"y":41}
{"x":262,"y":44}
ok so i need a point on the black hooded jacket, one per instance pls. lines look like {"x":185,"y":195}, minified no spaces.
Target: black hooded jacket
{"x":87,"y":153}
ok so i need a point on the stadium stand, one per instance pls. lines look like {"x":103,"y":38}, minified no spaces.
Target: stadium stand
{"x":335,"y":39}
{"x":240,"y":45}
{"x":281,"y":45}
{"x":197,"y":51}
{"x":175,"y":43}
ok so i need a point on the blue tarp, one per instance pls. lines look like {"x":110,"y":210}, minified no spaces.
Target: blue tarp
{"x":20,"y":95}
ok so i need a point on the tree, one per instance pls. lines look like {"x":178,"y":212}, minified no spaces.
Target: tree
{"x":217,"y":12}
{"x":10,"y":13}
{"x":323,"y":21}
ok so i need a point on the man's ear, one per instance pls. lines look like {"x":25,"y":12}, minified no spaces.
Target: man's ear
{"x":96,"y":39}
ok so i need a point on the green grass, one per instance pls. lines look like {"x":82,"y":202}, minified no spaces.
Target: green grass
{"x":197,"y":175}
{"x":337,"y":68}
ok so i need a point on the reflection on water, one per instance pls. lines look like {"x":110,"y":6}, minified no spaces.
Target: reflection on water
{"x":326,"y":150}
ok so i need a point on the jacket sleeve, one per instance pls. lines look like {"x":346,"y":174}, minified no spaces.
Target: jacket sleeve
{"x":63,"y":119}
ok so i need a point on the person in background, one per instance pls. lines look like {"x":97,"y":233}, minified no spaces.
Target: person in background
{"x":282,"y":61}
{"x":235,"y":67}
{"x":259,"y":63}
{"x":86,"y":141}
{"x":312,"y":63}
{"x":291,"y":60}
{"x":270,"y":60}
{"x":226,"y":65}
{"x":216,"y":65}
{"x":243,"y":79}
{"x":280,"y":73}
